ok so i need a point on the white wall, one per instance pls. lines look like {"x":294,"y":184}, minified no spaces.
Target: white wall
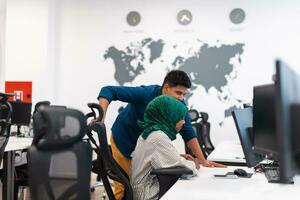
{"x":59,"y":44}
{"x":2,"y":41}
{"x":27,"y":46}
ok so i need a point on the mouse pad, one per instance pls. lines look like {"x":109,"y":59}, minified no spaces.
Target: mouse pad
{"x":249,"y":175}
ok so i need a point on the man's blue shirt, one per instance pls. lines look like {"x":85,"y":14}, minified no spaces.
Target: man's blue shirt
{"x":125,"y":129}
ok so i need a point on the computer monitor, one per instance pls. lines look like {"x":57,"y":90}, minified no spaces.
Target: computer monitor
{"x":287,"y":93}
{"x":272,"y":120}
{"x":21,"y":114}
{"x":264,"y":121}
{"x":243,"y":119}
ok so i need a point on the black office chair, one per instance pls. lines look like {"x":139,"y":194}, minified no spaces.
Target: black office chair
{"x":21,"y":171}
{"x":39,"y":130}
{"x":60,"y":162}
{"x":38,"y":126}
{"x":96,"y":114}
{"x":105,"y":166}
{"x":202,"y":128}
{"x":5,"y":123}
{"x":108,"y":168}
{"x":5,"y":117}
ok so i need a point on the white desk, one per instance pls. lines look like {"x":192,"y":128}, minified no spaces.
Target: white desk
{"x":18,"y":143}
{"x":206,"y":187}
{"x":228,"y":152}
{"x":14,"y":143}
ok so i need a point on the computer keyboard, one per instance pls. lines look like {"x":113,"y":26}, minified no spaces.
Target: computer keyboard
{"x":272,"y":174}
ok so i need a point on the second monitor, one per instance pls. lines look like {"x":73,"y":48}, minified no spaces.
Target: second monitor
{"x":21,"y":114}
{"x":272,"y":122}
{"x":243,"y":119}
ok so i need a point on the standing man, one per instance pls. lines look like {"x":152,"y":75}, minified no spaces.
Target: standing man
{"x":125,"y":130}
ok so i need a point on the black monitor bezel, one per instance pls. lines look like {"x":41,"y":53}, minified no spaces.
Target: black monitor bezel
{"x":287,"y":88}
{"x":243,"y":119}
{"x":23,"y":122}
{"x":264,"y":121}
{"x":286,"y":92}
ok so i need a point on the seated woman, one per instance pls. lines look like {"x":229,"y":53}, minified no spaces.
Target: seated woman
{"x":163,"y":118}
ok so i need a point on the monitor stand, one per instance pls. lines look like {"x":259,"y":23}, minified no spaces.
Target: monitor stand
{"x":272,"y":175}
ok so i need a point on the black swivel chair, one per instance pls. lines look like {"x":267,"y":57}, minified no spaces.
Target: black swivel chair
{"x":105,"y":166}
{"x":5,"y":116}
{"x":21,"y":171}
{"x":60,"y":162}
{"x":5,"y":123}
{"x":202,"y":128}
{"x":108,"y":167}
{"x":96,"y":114}
{"x":39,"y":130}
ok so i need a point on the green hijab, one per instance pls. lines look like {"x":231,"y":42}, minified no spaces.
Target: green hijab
{"x":162,"y":113}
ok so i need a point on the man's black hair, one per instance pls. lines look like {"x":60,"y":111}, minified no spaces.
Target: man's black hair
{"x":177,"y":77}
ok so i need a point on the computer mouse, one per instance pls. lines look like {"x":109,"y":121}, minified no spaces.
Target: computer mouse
{"x":240,"y":172}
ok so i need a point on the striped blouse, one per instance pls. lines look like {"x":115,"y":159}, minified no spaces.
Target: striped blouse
{"x":157,"y":151}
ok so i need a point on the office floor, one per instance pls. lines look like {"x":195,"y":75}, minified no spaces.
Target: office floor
{"x":98,"y":194}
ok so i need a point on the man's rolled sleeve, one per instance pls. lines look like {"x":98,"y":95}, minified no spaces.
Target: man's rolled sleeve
{"x":107,"y":92}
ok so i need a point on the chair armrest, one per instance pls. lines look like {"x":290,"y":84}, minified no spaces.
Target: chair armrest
{"x":172,"y":171}
{"x":167,"y":177}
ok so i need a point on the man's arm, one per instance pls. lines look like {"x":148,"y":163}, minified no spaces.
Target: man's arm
{"x":126,"y":94}
{"x":121,"y":93}
{"x":190,"y":137}
{"x":193,"y":144}
{"x":104,"y":104}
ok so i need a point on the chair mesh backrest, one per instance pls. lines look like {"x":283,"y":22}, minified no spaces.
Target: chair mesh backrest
{"x":60,"y":163}
{"x":63,"y":127}
{"x":202,"y":128}
{"x":205,"y":125}
{"x":39,"y":105}
{"x":38,"y":121}
{"x":60,"y":174}
{"x":194,"y":115}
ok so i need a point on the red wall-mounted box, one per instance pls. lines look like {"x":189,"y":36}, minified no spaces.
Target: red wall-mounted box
{"x":21,"y":89}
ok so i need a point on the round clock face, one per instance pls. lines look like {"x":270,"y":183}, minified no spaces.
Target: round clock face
{"x":184,"y":17}
{"x":133,"y":18}
{"x":237,"y":15}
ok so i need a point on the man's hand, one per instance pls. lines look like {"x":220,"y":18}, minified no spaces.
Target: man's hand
{"x":92,"y":121}
{"x":207,"y":163}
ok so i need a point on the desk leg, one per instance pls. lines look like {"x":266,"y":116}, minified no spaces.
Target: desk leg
{"x":8,"y":175}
